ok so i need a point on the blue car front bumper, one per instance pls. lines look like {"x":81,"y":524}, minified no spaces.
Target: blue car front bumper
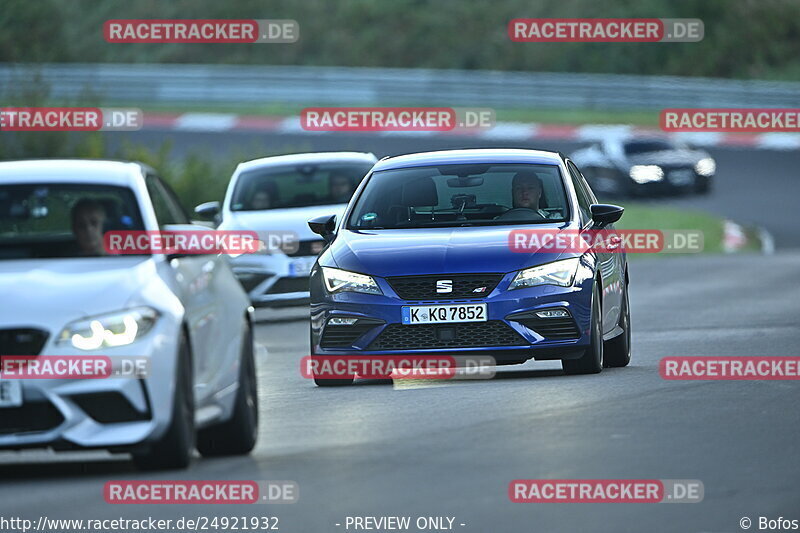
{"x":511,"y":334}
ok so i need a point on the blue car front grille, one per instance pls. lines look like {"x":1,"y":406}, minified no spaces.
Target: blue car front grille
{"x":463,"y":286}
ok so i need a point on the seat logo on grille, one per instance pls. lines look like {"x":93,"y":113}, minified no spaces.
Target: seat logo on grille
{"x":444,"y":286}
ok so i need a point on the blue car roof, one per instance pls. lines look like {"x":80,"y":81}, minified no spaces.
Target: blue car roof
{"x":456,"y":157}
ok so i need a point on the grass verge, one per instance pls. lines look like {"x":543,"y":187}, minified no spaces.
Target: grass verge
{"x":648,"y":216}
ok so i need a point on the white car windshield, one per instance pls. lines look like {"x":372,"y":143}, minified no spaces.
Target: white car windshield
{"x":303,"y":185}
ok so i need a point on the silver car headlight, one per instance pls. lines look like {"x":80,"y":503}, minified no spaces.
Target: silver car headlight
{"x":112,"y":329}
{"x":706,"y":167}
{"x":337,"y":280}
{"x":561,"y":273}
{"x":646,"y":173}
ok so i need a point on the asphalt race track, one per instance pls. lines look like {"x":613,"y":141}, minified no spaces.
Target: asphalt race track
{"x":451,"y":448}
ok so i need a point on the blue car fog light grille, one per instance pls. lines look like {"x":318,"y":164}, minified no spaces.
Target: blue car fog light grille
{"x":557,"y":328}
{"x":462,"y":335}
{"x":344,"y":336}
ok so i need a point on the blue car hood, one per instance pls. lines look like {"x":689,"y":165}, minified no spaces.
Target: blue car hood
{"x":399,"y":252}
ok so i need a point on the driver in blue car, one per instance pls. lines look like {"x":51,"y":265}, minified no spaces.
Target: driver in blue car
{"x":526,"y":190}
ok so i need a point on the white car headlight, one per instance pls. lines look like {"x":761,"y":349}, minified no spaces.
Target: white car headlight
{"x":337,"y":280}
{"x":706,"y":167}
{"x":113,"y":329}
{"x":646,"y":173}
{"x":561,"y":273}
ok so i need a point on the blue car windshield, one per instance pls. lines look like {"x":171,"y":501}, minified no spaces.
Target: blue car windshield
{"x":461,"y":195}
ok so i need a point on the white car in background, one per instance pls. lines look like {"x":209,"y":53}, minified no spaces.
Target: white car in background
{"x":276,"y":196}
{"x":186,"y":314}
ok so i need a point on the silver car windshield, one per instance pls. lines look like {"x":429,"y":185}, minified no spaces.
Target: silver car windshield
{"x":62,"y":220}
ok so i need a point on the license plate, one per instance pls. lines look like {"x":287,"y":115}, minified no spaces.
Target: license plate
{"x":10,"y":393}
{"x":301,"y":267}
{"x":444,"y":314}
{"x":681,"y":177}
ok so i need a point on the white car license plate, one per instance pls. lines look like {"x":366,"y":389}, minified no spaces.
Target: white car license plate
{"x":444,"y":314}
{"x":10,"y":393}
{"x":301,"y":267}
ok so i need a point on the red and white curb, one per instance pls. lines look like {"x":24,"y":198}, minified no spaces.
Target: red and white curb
{"x":502,"y":131}
{"x":734,"y":238}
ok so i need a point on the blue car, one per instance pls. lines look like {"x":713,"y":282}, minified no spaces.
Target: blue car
{"x":421,"y":263}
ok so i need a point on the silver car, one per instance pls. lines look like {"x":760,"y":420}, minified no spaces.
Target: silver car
{"x":186,"y":315}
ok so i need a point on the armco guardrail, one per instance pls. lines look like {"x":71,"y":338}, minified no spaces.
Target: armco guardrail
{"x":238,"y":84}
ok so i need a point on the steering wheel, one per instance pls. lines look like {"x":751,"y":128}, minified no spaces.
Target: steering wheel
{"x":519,"y":213}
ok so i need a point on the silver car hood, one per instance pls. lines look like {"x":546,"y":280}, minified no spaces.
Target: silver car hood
{"x":49,"y":293}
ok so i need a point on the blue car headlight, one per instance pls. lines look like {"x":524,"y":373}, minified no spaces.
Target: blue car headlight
{"x":561,"y":273}
{"x":113,"y":329}
{"x":337,"y":280}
